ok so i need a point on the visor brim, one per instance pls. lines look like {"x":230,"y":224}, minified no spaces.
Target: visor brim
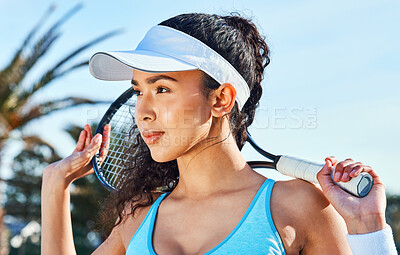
{"x":119,"y":65}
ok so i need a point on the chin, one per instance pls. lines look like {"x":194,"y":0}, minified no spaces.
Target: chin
{"x":161,"y":157}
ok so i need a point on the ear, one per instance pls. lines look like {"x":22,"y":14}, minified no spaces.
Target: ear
{"x":223,"y":100}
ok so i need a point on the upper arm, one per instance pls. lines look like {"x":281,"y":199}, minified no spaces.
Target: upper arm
{"x":317,"y":227}
{"x":327,"y":231}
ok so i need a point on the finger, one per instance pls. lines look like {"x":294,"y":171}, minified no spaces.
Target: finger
{"x":375,"y":176}
{"x":330,"y":162}
{"x":340,"y":168}
{"x":93,"y":147}
{"x":349,"y":169}
{"x":369,"y":170}
{"x":88,"y":135}
{"x":324,"y":176}
{"x":90,"y":131}
{"x":90,"y":171}
{"x":328,"y":186}
{"x":378,"y":185}
{"x":81,"y":141}
{"x":333,"y":160}
{"x":358,"y":169}
{"x":79,"y":164}
{"x":105,"y":145}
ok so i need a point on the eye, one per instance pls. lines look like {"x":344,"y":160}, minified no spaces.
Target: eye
{"x":137,"y":92}
{"x":158,"y":90}
{"x":162,"y":90}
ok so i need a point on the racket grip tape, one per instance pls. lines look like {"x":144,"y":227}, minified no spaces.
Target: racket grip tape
{"x":307,"y":170}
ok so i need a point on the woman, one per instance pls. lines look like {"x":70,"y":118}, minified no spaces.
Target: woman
{"x":198,"y":81}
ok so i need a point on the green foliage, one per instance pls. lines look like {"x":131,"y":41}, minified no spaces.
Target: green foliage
{"x":86,"y":200}
{"x":24,"y":192}
{"x":393,"y":217}
{"x":23,"y":189}
{"x":29,"y":248}
{"x":15,"y":109}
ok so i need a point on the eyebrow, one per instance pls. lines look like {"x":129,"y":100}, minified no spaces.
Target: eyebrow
{"x":154,"y":79}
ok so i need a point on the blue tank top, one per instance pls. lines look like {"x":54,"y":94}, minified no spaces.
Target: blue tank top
{"x":254,"y":234}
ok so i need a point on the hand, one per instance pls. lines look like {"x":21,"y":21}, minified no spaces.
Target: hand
{"x":78,"y":164}
{"x":362,"y":215}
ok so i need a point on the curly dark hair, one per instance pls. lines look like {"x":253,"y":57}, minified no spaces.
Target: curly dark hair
{"x":239,"y":42}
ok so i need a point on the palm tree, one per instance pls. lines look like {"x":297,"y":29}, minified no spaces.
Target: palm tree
{"x":23,"y":199}
{"x":393,"y":217}
{"x":16,"y":110}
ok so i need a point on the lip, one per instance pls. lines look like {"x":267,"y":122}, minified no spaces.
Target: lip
{"x":152,"y":136}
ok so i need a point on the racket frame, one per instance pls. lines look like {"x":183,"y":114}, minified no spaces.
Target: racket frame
{"x":121,"y":100}
{"x":289,"y":166}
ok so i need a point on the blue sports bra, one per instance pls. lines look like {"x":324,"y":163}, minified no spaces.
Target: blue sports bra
{"x":254,"y":234}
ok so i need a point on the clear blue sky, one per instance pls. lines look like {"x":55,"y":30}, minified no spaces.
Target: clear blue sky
{"x":332,"y":87}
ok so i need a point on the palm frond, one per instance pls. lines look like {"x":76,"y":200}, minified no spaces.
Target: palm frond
{"x":5,"y":127}
{"x":9,"y":74}
{"x":67,"y":15}
{"x":15,"y":72}
{"x":53,"y":71}
{"x":32,"y":142}
{"x":18,"y":100}
{"x":44,"y":43}
{"x":89,"y":44}
{"x":17,"y":56}
{"x":52,"y":106}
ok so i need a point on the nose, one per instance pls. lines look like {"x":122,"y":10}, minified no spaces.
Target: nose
{"x":144,"y":109}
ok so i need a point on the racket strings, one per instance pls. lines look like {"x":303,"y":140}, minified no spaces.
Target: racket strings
{"x":125,"y":158}
{"x":117,"y":154}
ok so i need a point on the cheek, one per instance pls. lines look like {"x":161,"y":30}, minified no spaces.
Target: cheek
{"x":188,"y":113}
{"x":186,"y":123}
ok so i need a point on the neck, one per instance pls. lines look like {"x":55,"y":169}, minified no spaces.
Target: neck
{"x":212,"y":166}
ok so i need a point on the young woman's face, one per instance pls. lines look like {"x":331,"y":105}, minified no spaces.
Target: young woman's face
{"x":171,"y":112}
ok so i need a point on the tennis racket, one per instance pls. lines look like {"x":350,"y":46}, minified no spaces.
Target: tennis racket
{"x":307,"y":170}
{"x":115,"y":154}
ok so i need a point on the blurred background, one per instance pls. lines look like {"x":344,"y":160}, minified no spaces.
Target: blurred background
{"x":332,"y":88}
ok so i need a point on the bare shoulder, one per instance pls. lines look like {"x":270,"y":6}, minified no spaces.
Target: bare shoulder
{"x":118,"y":240}
{"x":298,"y":194}
{"x":305,"y":219}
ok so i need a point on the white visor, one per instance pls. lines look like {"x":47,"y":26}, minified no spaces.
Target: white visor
{"x":165,"y":49}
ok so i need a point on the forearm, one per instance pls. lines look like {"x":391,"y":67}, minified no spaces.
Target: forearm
{"x":56,"y":216}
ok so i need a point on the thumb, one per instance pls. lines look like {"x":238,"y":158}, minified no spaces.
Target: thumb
{"x":331,"y":191}
{"x":324,"y":176}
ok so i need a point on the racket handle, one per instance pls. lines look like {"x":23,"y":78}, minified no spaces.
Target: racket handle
{"x":306,"y":170}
